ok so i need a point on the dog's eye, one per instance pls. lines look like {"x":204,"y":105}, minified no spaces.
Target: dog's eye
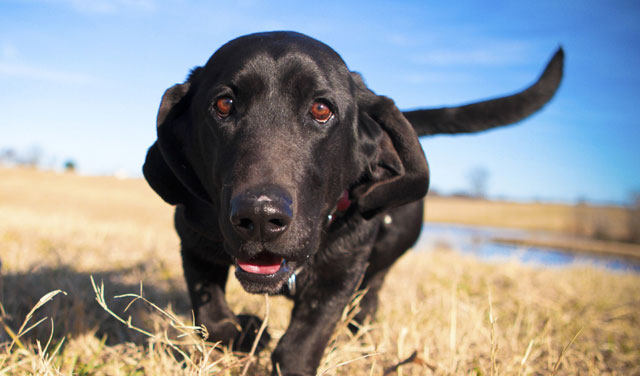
{"x":224,"y":106}
{"x":321,"y":112}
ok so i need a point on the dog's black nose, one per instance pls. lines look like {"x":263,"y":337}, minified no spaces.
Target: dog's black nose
{"x":261,"y":214}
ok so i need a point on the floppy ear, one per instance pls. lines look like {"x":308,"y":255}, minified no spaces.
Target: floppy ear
{"x":161,"y":178}
{"x":497,"y":112}
{"x":166,"y":167}
{"x":398,"y":171}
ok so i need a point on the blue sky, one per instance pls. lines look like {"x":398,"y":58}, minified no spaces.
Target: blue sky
{"x":82,"y":79}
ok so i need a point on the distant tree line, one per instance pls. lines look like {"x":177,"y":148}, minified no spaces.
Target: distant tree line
{"x":477,"y":179}
{"x":32,"y":157}
{"x":29,"y":158}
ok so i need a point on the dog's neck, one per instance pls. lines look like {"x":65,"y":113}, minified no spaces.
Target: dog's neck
{"x":342,"y":206}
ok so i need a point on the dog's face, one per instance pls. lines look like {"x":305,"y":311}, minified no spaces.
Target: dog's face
{"x":272,"y":144}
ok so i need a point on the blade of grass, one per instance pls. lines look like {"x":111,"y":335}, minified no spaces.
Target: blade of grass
{"x":525,"y":357}
{"x":556,"y":367}
{"x":257,"y":340}
{"x":43,"y":300}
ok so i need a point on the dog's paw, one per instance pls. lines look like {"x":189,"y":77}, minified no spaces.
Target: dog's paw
{"x":245,"y":339}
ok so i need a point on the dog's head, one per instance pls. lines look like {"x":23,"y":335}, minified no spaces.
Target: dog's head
{"x":274,"y":141}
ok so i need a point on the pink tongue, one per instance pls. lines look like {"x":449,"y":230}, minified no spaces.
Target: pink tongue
{"x":264,"y":263}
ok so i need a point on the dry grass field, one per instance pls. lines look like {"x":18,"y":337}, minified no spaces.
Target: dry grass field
{"x":458,"y":315}
{"x":610,"y":221}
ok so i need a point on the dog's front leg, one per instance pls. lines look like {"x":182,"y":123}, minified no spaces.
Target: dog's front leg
{"x":206,"y":284}
{"x":318,"y":308}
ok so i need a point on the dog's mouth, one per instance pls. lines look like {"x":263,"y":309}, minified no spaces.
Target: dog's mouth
{"x":264,"y":263}
{"x":265,"y":273}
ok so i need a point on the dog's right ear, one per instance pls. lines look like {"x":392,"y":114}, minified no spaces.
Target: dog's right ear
{"x":166,"y":167}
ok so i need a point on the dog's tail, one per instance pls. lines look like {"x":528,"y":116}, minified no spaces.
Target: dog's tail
{"x":480,"y":116}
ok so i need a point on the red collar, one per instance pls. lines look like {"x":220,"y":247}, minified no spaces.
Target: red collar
{"x":344,"y":202}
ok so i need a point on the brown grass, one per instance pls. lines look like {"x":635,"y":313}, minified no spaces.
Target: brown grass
{"x":578,"y":219}
{"x":458,"y":315}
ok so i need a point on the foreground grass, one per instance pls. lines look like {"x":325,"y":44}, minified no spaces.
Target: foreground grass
{"x":458,"y":315}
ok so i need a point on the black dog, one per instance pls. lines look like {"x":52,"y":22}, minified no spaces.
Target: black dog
{"x":283,"y":164}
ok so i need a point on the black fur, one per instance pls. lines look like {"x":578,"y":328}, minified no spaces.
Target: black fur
{"x":264,"y":182}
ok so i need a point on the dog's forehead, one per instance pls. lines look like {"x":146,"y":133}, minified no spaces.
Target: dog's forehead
{"x":277,"y":44}
{"x":275,"y":53}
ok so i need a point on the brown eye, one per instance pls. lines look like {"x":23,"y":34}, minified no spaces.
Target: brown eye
{"x":224,"y":106}
{"x":321,"y":112}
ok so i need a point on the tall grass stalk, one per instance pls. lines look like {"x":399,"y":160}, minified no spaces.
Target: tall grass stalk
{"x":263,"y":327}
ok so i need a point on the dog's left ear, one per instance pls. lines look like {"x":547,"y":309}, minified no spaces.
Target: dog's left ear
{"x":397,"y":168}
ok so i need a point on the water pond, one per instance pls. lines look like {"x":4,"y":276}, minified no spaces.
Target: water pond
{"x":478,"y":242}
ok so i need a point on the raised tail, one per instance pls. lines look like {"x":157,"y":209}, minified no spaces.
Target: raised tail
{"x":480,"y":116}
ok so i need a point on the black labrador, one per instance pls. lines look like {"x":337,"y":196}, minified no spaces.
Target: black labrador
{"x":283,"y":164}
